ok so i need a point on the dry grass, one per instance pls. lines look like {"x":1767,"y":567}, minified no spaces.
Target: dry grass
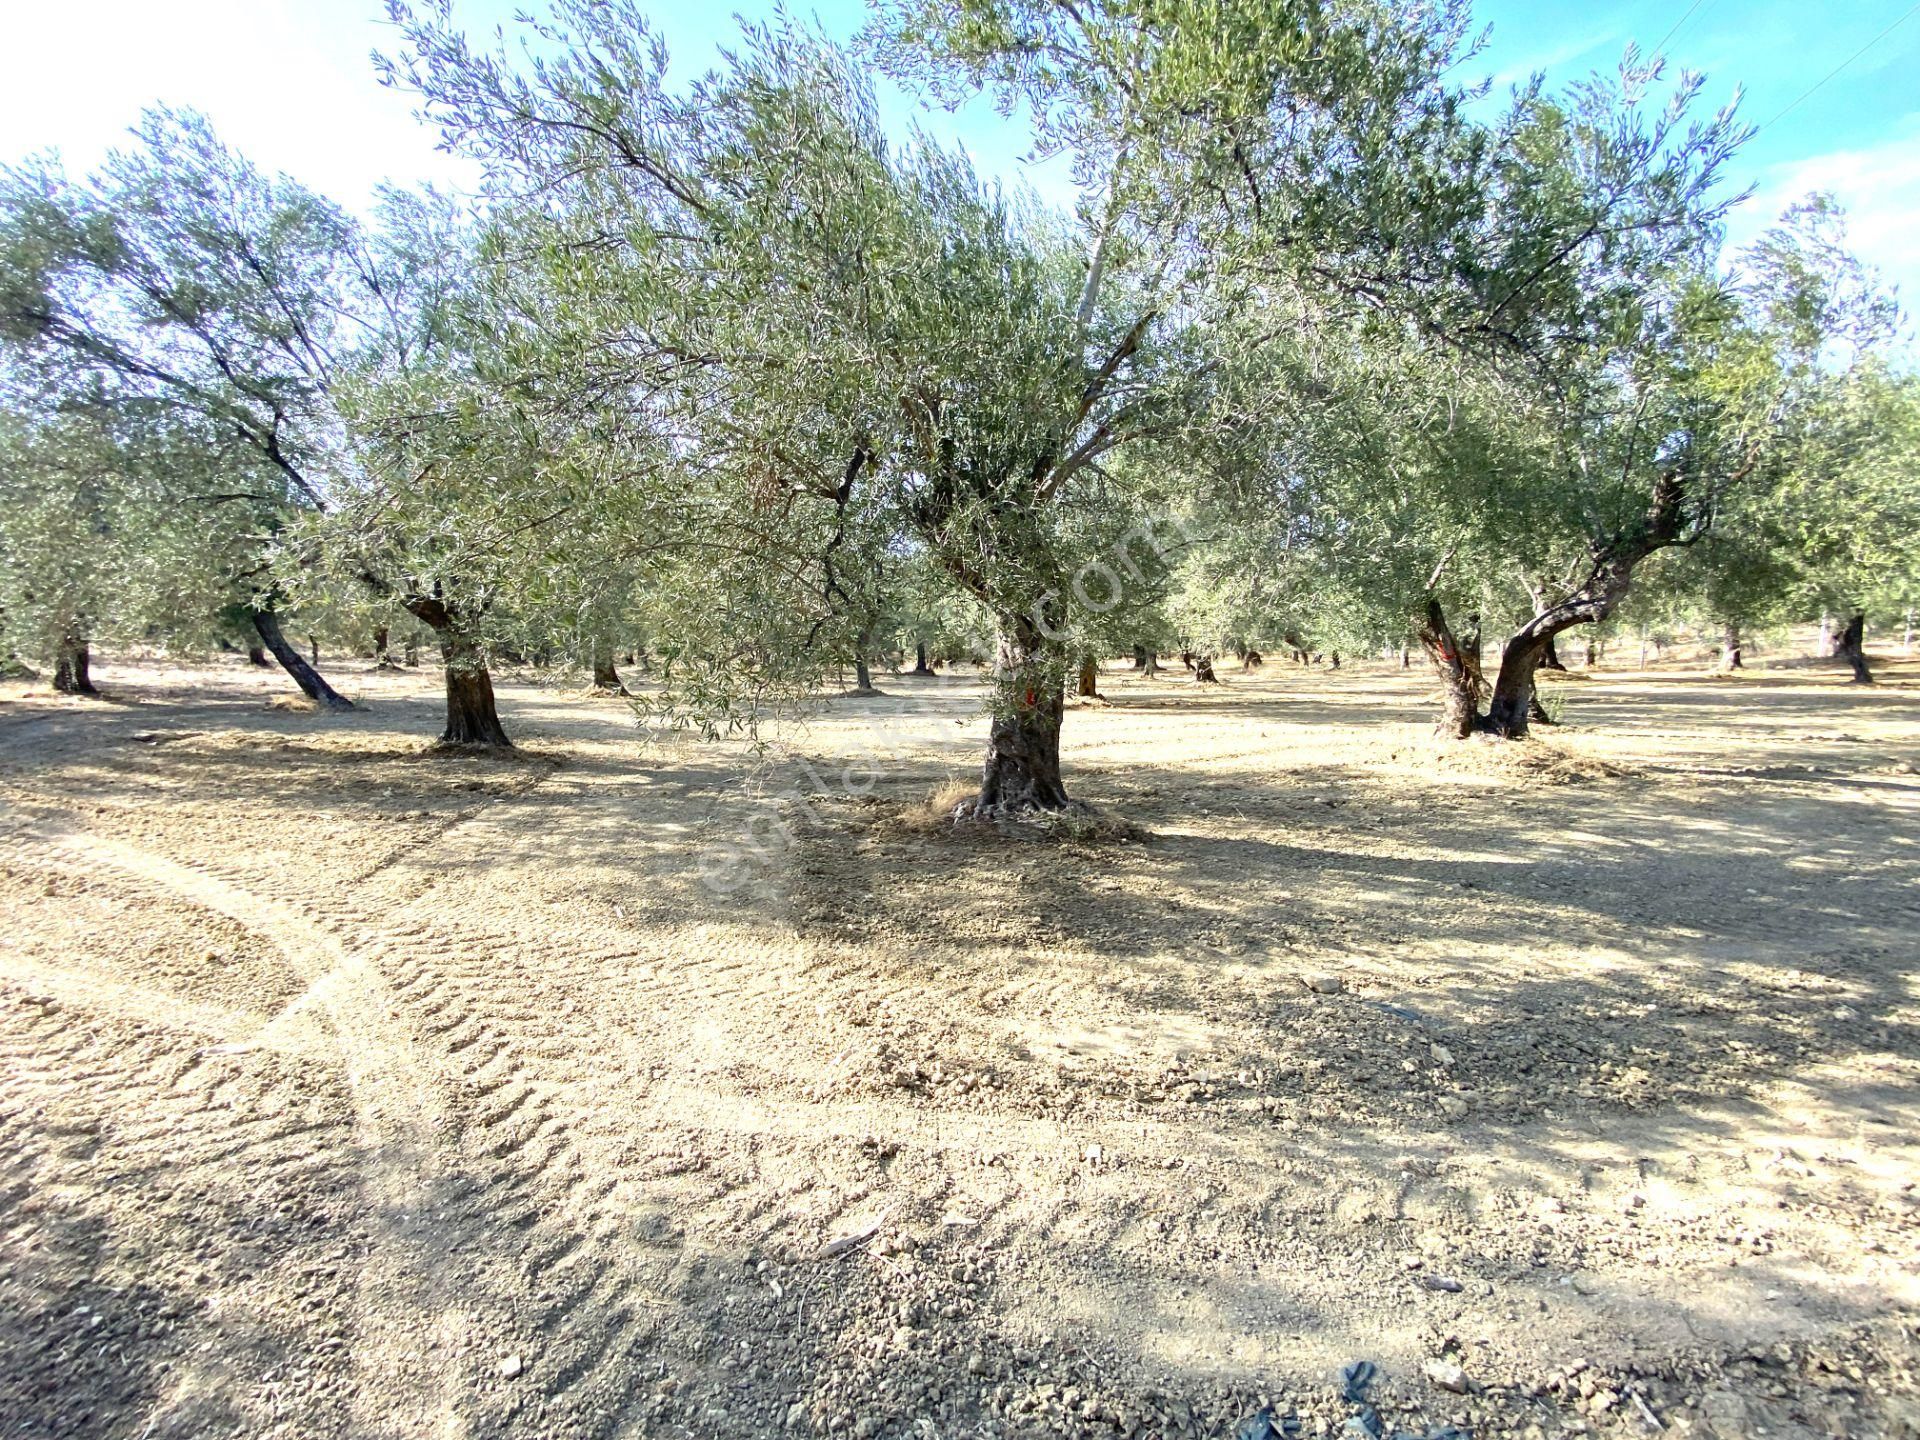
{"x":936,"y":811}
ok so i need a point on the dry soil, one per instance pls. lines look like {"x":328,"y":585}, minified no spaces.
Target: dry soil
{"x":635,"y":1086}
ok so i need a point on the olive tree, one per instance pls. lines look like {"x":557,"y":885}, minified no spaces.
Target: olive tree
{"x":105,"y":511}
{"x":825,"y":317}
{"x":180,"y":273}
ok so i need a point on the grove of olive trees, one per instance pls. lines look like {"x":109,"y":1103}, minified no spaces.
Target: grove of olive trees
{"x":1241,"y":763}
{"x":725,"y":366}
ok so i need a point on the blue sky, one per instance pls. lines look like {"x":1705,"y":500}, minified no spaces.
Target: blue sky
{"x":288,"y":81}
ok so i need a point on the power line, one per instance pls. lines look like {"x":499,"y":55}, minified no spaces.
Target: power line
{"x":1841,"y":66}
{"x":1677,"y":24}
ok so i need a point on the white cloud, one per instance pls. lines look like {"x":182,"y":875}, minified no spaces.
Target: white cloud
{"x":1878,"y":184}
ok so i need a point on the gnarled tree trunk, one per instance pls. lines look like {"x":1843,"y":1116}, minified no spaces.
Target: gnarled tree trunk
{"x":1203,"y":670}
{"x":1852,"y":648}
{"x":1730,"y":648}
{"x":605,"y":677}
{"x":1089,"y":678}
{"x":920,"y":666}
{"x":316,"y":689}
{"x":472,"y":718}
{"x":1022,"y":770}
{"x":72,"y":666}
{"x":257,"y":655}
{"x":1512,"y":702}
{"x":1550,"y":659}
{"x":1459,"y":677}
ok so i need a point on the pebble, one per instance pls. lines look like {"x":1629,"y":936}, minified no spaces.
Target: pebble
{"x":1324,"y":984}
{"x":1453,"y":1107}
{"x":1446,"y":1375}
{"x":512,"y":1366}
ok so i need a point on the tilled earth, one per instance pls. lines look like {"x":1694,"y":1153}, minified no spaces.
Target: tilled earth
{"x":635,"y":1087}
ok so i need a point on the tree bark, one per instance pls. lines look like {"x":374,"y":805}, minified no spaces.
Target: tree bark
{"x":1851,"y":647}
{"x":1089,"y":679}
{"x":1139,"y":657}
{"x":382,"y":653}
{"x":1730,"y":648}
{"x":72,"y":664}
{"x":257,"y":655}
{"x":1022,"y":770}
{"x":313,"y":647}
{"x":1513,"y":702}
{"x":311,"y":684}
{"x":862,"y":671}
{"x":1203,"y":670}
{"x":920,"y":666}
{"x":605,"y":677}
{"x":1252,"y":660}
{"x":1459,"y":680}
{"x":472,"y":718}
{"x":1550,"y":660}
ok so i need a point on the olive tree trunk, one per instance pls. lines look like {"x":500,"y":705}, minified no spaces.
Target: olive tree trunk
{"x":311,"y":684}
{"x":72,"y":664}
{"x":862,"y":669}
{"x":1459,"y":672}
{"x":1730,"y":648}
{"x":1512,"y":701}
{"x":1852,"y":648}
{"x":1089,"y":677}
{"x":472,"y":718}
{"x":605,"y":676}
{"x":1022,"y":770}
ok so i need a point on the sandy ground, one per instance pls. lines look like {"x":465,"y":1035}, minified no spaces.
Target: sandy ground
{"x":644,"y":1087}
